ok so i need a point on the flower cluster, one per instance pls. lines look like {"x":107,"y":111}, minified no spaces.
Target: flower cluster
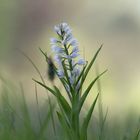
{"x":65,"y":48}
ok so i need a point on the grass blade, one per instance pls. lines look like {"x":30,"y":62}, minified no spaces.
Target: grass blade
{"x":89,"y":66}
{"x":65,"y":105}
{"x":88,"y":90}
{"x":45,"y":123}
{"x":87,"y":119}
{"x":137,"y":135}
{"x":37,"y":102}
{"x":46,"y":87}
{"x":81,"y":74}
{"x":65,"y":126}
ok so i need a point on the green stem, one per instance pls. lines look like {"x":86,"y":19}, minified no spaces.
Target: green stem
{"x":74,"y":113}
{"x":70,"y":63}
{"x":75,"y":119}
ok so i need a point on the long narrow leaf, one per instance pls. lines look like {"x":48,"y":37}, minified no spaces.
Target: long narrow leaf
{"x":46,"y":87}
{"x":89,"y":66}
{"x":81,"y":74}
{"x":65,"y":126}
{"x":26,"y":115}
{"x":33,"y":64}
{"x":45,"y":123}
{"x":137,"y":135}
{"x":87,"y":119}
{"x":88,"y":90}
{"x":45,"y":54}
{"x":93,"y":60}
{"x":65,"y":105}
{"x":102,"y":125}
{"x":64,"y":83}
{"x":46,"y":57}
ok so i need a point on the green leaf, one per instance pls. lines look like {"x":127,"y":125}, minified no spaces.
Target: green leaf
{"x":137,"y":135}
{"x":81,"y":74}
{"x":45,"y":54}
{"x":46,"y":87}
{"x":47,"y":58}
{"x":45,"y":123}
{"x":65,"y":126}
{"x":26,"y":114}
{"x":33,"y":64}
{"x":65,"y":105}
{"x":89,"y":66}
{"x":102,"y":125}
{"x":92,"y":61}
{"x":88,"y":90}
{"x":64,"y":82}
{"x":87,"y":119}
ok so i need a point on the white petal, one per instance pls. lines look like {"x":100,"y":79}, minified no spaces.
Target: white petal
{"x":64,"y":24}
{"x":81,"y":62}
{"x":57,"y":30}
{"x":73,"y":42}
{"x":60,"y":73}
{"x":53,"y":40}
{"x":56,"y":49}
{"x":75,"y":49}
{"x":74,"y":55}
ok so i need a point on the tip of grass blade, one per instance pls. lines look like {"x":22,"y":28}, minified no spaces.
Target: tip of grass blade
{"x":44,"y":53}
{"x":34,"y":80}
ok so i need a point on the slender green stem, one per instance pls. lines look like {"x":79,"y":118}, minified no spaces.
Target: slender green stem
{"x":39,"y":118}
{"x":74,"y":113}
{"x":70,"y":63}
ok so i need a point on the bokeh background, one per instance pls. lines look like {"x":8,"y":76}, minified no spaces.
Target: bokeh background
{"x":28,"y":25}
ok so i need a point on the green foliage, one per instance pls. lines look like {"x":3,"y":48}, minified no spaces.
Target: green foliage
{"x":16,"y":121}
{"x":70,"y":113}
{"x":15,"y":115}
{"x":137,"y":135}
{"x":86,"y":121}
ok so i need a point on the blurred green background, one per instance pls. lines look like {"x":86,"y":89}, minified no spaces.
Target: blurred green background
{"x":28,"y":25}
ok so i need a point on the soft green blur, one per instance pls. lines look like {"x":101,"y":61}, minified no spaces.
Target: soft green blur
{"x":28,"y":24}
